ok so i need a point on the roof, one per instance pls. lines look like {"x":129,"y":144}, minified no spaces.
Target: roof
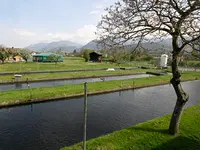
{"x":97,"y":53}
{"x":46,"y":54}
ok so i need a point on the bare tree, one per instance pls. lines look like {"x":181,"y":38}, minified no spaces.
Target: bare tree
{"x":137,"y":21}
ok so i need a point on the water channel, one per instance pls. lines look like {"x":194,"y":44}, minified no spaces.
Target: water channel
{"x":5,"y":87}
{"x":52,"y":125}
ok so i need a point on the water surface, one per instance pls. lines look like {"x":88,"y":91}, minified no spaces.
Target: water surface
{"x":5,"y":87}
{"x":52,"y":125}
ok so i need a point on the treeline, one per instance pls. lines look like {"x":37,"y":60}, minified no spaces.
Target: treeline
{"x":6,"y":53}
{"x":117,"y":55}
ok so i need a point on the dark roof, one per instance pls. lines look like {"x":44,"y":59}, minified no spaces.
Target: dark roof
{"x":97,"y":53}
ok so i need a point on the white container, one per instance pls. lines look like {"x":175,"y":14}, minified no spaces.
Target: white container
{"x":18,"y":77}
{"x":110,"y":69}
{"x":163,"y":60}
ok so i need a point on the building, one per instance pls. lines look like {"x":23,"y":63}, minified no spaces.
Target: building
{"x":18,"y":58}
{"x":95,"y":57}
{"x":47,"y":57}
{"x":33,"y":53}
{"x":15,"y":59}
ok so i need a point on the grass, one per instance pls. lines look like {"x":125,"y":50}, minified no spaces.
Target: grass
{"x":70,"y":63}
{"x":152,"y":134}
{"x":66,"y":90}
{"x":5,"y":78}
{"x":190,"y":63}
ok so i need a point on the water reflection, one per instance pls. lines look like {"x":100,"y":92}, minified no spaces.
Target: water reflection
{"x":52,"y":125}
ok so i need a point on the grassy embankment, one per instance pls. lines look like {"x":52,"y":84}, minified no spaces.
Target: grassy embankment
{"x":5,"y":78}
{"x":70,"y":90}
{"x":152,"y":135}
{"x":70,"y":63}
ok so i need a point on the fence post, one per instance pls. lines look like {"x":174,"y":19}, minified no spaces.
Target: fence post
{"x":85,"y":117}
{"x":28,"y":84}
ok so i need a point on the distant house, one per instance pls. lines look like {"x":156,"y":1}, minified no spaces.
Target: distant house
{"x":18,"y":58}
{"x":95,"y":57}
{"x":47,"y":57}
{"x":33,"y":53}
{"x":15,"y":59}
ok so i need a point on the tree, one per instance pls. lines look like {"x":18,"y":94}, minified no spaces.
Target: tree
{"x":196,"y":49}
{"x":4,"y":53}
{"x":25,"y":54}
{"x":54,"y":58}
{"x":13,"y":52}
{"x":137,"y":21}
{"x":118,"y":55}
{"x":74,"y":52}
{"x":86,"y":54}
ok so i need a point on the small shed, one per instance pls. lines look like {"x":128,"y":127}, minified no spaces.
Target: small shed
{"x":95,"y":57}
{"x":45,"y":57}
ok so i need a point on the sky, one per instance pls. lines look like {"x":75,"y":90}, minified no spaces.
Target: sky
{"x":25,"y":22}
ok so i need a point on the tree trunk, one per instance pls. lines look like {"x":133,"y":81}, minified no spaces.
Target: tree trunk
{"x":2,"y":60}
{"x":182,"y":97}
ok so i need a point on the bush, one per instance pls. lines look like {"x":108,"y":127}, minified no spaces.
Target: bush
{"x":86,"y":54}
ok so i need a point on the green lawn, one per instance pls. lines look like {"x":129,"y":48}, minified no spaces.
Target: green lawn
{"x":190,"y":63}
{"x":67,"y":90}
{"x":5,"y":78}
{"x":70,"y":63}
{"x":152,"y":135}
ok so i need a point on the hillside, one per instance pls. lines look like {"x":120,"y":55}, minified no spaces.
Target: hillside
{"x":158,"y":47}
{"x":67,"y":46}
{"x":91,"y":45}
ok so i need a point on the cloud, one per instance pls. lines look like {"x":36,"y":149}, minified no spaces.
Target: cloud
{"x":99,"y":6}
{"x":23,"y":32}
{"x":58,"y":35}
{"x":95,"y":12}
{"x":14,"y":37}
{"x":104,"y":3}
{"x":81,"y":35}
{"x":86,"y":33}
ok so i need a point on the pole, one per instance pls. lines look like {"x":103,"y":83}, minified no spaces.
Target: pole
{"x":85,"y":116}
{"x":27,"y":82}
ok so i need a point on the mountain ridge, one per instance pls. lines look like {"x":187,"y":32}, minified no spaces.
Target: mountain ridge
{"x":69,"y":46}
{"x":63,"y":45}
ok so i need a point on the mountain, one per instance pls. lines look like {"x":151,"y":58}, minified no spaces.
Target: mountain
{"x":154,"y":49}
{"x":165,"y":44}
{"x":38,"y":46}
{"x":91,"y":45}
{"x":67,"y":46}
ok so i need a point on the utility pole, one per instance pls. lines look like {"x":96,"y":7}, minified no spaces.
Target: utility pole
{"x":85,"y":117}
